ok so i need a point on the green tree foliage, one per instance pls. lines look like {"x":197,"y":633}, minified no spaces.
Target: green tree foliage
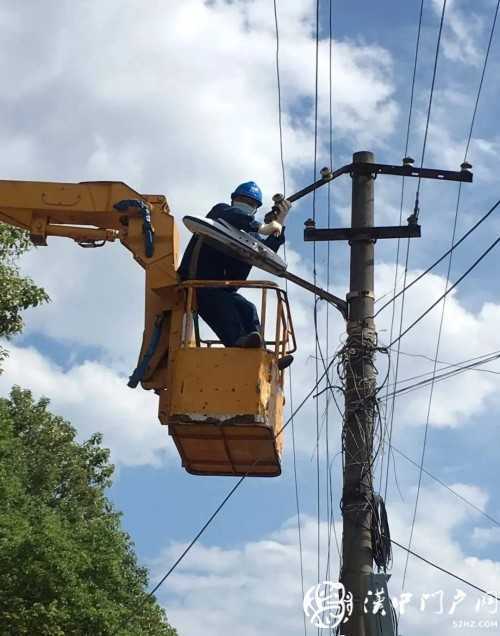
{"x":66,"y":567}
{"x":17,"y":292}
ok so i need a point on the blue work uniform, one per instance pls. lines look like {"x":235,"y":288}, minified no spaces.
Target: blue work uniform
{"x":227,"y":312}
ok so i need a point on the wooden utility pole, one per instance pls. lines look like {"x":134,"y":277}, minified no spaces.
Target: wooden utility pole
{"x":359,"y":374}
{"x":359,"y":405}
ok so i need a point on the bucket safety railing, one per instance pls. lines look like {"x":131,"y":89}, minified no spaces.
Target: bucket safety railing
{"x":284,"y":339}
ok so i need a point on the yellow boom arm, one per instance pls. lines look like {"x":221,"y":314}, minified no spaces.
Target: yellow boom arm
{"x":94,"y":212}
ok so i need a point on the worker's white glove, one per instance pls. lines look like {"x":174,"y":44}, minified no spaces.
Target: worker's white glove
{"x":270,"y":228}
{"x":283,"y":207}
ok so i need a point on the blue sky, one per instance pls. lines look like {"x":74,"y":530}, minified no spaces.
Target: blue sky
{"x":180,"y":99}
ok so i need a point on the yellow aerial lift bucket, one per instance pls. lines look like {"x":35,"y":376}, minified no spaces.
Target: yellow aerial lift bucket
{"x":224,"y":405}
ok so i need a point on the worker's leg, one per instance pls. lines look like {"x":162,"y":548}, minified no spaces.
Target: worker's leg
{"x":220,"y":311}
{"x":248,"y":313}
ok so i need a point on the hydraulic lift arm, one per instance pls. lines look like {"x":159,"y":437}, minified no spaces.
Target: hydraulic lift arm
{"x":93,"y":213}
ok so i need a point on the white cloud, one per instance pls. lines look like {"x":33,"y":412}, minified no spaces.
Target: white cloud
{"x":255,"y":588}
{"x":94,"y":399}
{"x":485,"y":537}
{"x":97,"y":299}
{"x":465,"y":335}
{"x":181,"y":100}
{"x":447,"y":145}
{"x":463,"y":28}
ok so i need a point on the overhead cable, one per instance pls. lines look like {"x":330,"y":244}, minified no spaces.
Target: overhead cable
{"x":441,"y":258}
{"x":441,"y":322}
{"x":416,"y":207}
{"x":222,"y":503}
{"x":456,"y":369}
{"x":444,"y":376}
{"x":449,"y":488}
{"x":448,"y":291}
{"x":398,"y":246}
{"x":329,"y":490}
{"x":315,"y":162}
{"x":445,"y":571}
{"x":282,"y":159}
{"x":434,"y":74}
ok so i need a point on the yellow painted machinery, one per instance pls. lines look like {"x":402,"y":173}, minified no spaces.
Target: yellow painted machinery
{"x":223,"y":406}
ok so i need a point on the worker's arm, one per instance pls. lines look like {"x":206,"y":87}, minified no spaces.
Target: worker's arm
{"x":274,"y":242}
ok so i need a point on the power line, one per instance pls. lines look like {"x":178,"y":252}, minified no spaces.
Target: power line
{"x":441,"y":568}
{"x":444,"y":376}
{"x":223,"y":503}
{"x":472,"y":364}
{"x":417,"y":197}
{"x":331,"y":518}
{"x":329,"y":489}
{"x":279,"y":94}
{"x":297,"y":498}
{"x":315,"y":297}
{"x":485,"y":64}
{"x":445,"y":485}
{"x":448,"y":273}
{"x":444,"y":570}
{"x":440,"y":259}
{"x":434,"y":74}
{"x":416,"y":210}
{"x":448,"y":291}
{"x":443,"y":362}
{"x":403,"y":182}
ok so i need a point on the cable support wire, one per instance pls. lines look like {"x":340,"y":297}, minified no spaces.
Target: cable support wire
{"x":278,"y":81}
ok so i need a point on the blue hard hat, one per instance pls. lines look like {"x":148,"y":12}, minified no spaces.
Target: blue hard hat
{"x":249,"y":189}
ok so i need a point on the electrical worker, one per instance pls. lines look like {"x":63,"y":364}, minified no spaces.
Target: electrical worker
{"x":231,"y":316}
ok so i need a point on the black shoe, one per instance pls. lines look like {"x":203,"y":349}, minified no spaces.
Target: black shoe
{"x":252,"y":340}
{"x":285,"y":362}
